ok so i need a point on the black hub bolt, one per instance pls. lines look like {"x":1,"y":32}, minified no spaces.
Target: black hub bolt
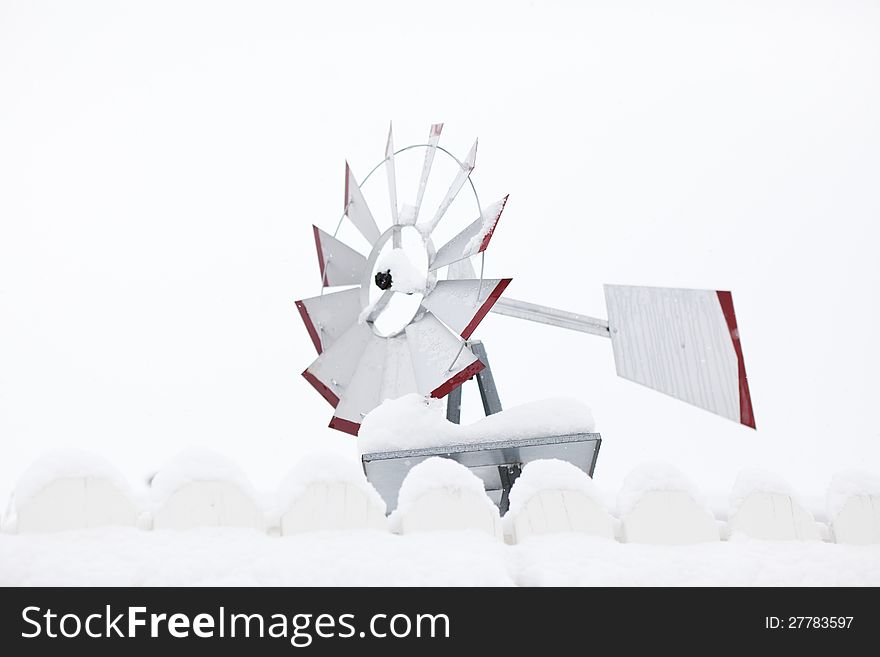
{"x":383,"y":280}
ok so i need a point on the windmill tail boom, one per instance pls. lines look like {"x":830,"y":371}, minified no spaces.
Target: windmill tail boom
{"x":552,"y":316}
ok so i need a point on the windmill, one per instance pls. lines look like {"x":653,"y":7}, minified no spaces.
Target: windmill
{"x":682,"y":342}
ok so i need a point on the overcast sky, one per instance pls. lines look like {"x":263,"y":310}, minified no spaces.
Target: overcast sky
{"x":161,"y":165}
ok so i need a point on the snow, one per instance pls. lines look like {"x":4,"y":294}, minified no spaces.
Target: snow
{"x":414,"y":421}
{"x":244,"y":557}
{"x":434,"y":473}
{"x":550,"y":474}
{"x":490,"y":218}
{"x":654,"y":476}
{"x":576,"y":560}
{"x":196,"y":464}
{"x":135,"y":337}
{"x":61,"y":463}
{"x":754,"y":480}
{"x":407,"y":216}
{"x":847,"y":484}
{"x":121,"y":556}
{"x":126,"y":557}
{"x":405,"y":276}
{"x":325,"y":467}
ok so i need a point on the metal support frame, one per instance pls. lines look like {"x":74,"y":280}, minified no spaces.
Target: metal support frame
{"x":497,"y":463}
{"x":486,"y":383}
{"x":508,"y":474}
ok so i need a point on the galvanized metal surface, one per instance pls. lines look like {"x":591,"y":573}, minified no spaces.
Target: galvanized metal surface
{"x":328,"y":316}
{"x":462,"y":304}
{"x":552,"y":316}
{"x":485,"y":380}
{"x":677,"y":341}
{"x":391,"y":174}
{"x":387,"y":470}
{"x":433,"y":349}
{"x":357,"y":210}
{"x":334,"y":368}
{"x":338,"y":263}
{"x":458,"y":182}
{"x":433,"y":140}
{"x":463,"y":245}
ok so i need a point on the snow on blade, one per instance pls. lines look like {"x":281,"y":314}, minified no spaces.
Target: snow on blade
{"x":440,"y":360}
{"x":414,"y":421}
{"x":473,"y":239}
{"x":655,"y":476}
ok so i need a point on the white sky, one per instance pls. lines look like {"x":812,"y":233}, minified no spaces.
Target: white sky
{"x":161,"y":165}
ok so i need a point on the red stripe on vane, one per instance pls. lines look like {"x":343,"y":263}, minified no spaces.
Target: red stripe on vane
{"x":341,"y":424}
{"x":451,"y":384}
{"x":486,"y":307}
{"x":747,"y":415}
{"x":322,"y":389}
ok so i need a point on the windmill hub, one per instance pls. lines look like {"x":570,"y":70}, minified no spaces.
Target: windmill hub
{"x":383,"y":280}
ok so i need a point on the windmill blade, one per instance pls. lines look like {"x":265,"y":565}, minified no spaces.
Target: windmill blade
{"x":331,"y":372}
{"x":461,"y":269}
{"x":460,"y":178}
{"x":472,"y":240}
{"x":441,"y":361}
{"x":684,"y":343}
{"x":384,"y":372}
{"x":433,"y":140}
{"x":357,"y":210}
{"x":330,"y":315}
{"x":398,"y":378}
{"x":339,"y":263}
{"x":462,"y":304}
{"x":392,"y":186}
{"x":363,"y":393}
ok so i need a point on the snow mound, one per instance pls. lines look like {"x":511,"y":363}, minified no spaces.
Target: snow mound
{"x":847,"y":484}
{"x":550,"y":474}
{"x":431,"y":474}
{"x":325,"y":467}
{"x":414,"y":421}
{"x":654,"y":476}
{"x":753,"y":480}
{"x":62,"y":463}
{"x":405,"y":276}
{"x":197,"y":464}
